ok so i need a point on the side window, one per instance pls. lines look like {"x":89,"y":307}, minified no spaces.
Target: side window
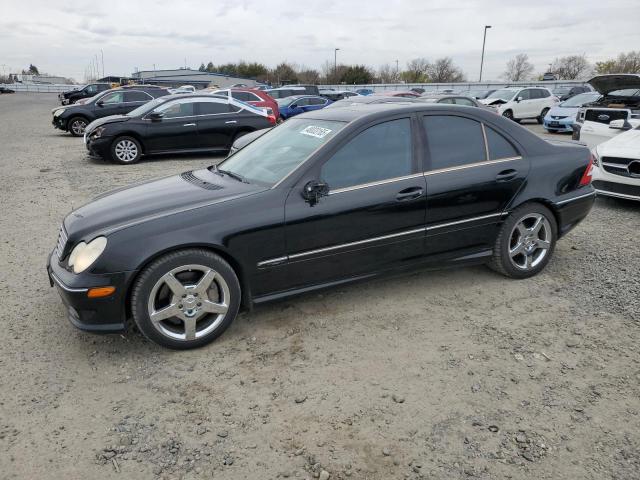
{"x":445,"y":148}
{"x":175,"y":109}
{"x":316,"y":101}
{"x":544,"y":93}
{"x":536,"y":93}
{"x":111,"y":98}
{"x":92,"y":89}
{"x":499,"y":147}
{"x":212,"y":108}
{"x":242,"y":96}
{"x":136,"y":96}
{"x":525,"y":94}
{"x":380,"y":152}
{"x":446,"y":100}
{"x":302,"y":102}
{"x":464,"y":101}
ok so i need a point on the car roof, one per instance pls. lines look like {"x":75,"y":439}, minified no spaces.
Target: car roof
{"x":297,"y":97}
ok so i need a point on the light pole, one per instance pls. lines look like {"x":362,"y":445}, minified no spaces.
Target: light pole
{"x":484,"y":39}
{"x":335,"y":64}
{"x":102,"y":55}
{"x":397,"y":71}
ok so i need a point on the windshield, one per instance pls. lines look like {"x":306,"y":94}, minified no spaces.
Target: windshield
{"x":270,"y":158}
{"x":629,"y":92}
{"x":503,"y":94}
{"x":560,"y":91}
{"x":147,"y":107}
{"x":580,"y":99}
{"x":285,"y":102}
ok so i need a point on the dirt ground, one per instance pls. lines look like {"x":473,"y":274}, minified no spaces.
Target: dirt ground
{"x":450,"y":375}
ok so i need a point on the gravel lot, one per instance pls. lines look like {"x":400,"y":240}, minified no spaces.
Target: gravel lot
{"x":453,"y":374}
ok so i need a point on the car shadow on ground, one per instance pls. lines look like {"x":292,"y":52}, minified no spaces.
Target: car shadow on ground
{"x":208,"y":158}
{"x":621,"y":204}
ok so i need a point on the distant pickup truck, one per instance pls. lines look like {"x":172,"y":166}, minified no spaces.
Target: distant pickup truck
{"x":71,"y":97}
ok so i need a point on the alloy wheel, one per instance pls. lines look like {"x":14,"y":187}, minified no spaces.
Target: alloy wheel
{"x":126,"y":151}
{"x":188,"y":302}
{"x":530,"y":241}
{"x":78,"y":126}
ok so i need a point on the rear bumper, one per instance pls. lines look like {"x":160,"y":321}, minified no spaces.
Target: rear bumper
{"x":99,"y":315}
{"x":59,"y":123}
{"x":572,"y":210}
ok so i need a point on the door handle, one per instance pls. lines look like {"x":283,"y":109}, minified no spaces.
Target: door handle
{"x":232,"y":121}
{"x":410,"y":193}
{"x":189,"y":125}
{"x":506,"y":175}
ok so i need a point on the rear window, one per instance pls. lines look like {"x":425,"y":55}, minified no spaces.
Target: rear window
{"x":499,"y":147}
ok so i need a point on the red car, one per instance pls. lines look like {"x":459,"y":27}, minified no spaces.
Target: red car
{"x":252,"y":96}
{"x":399,"y":93}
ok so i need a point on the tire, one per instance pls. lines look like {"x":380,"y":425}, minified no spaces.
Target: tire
{"x":193,"y":323}
{"x":540,"y":119}
{"x":76,"y":126}
{"x":533,"y":249}
{"x":509,"y":114}
{"x":126,"y":150}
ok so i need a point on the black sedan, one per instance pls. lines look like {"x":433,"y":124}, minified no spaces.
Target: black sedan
{"x":118,"y":101}
{"x":325,"y":198}
{"x":176,"y":123}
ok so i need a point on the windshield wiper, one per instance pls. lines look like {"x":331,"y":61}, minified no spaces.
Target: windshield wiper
{"x":237,"y":176}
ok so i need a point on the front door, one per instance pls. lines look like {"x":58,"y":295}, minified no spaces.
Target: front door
{"x":373,"y":216}
{"x":469,"y":184}
{"x":176,"y":130}
{"x":110,"y":104}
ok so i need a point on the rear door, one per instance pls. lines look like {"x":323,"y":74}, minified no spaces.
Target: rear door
{"x":177,"y":130}
{"x":469,"y":183}
{"x":218,"y":122}
{"x":133,"y":99}
{"x":373,"y":217}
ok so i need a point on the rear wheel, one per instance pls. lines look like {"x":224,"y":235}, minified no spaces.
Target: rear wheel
{"x":543,"y":113}
{"x":77,"y":125}
{"x":126,"y":150}
{"x":526,"y":242}
{"x":185,"y":299}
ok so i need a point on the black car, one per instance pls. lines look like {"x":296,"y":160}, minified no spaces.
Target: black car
{"x":118,"y":101}
{"x":6,"y":90}
{"x":176,"y":123}
{"x":565,"y":93}
{"x":325,"y":198}
{"x":72,"y":96}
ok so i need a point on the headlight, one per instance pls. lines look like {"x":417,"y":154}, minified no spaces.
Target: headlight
{"x":97,"y":133}
{"x":84,"y":254}
{"x":58,"y":112}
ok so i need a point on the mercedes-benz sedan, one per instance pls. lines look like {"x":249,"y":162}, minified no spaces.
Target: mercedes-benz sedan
{"x":328,"y":197}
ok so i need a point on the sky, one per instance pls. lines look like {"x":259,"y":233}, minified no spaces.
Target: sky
{"x":62,"y":37}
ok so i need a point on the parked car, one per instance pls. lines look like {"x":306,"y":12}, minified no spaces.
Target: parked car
{"x":549,"y":76}
{"x":562,"y":117}
{"x":616,"y":171}
{"x":478,"y":94}
{"x":364,"y":91}
{"x":291,"y":90}
{"x":399,"y":93}
{"x":565,"y":93}
{"x":183,"y":89}
{"x":245,"y":140}
{"x":328,"y":197}
{"x":620,"y":101}
{"x":451,"y":100}
{"x":520,"y":103}
{"x":292,"y":106}
{"x":335,"y":95}
{"x":371,"y":100}
{"x":175,"y":123}
{"x":6,"y":90}
{"x":72,"y":96}
{"x":118,"y":101}
{"x":257,"y":98}
{"x":418,"y":90}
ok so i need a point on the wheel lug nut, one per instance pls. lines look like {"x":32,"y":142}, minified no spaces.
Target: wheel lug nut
{"x":195,"y":294}
{"x":199,"y":304}
{"x":179,"y":306}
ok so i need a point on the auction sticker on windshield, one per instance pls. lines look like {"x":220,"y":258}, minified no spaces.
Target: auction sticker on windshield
{"x":317,"y":132}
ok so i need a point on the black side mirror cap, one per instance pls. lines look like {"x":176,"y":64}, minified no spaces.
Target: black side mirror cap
{"x":156,"y":116}
{"x":314,"y":190}
{"x":100,"y":103}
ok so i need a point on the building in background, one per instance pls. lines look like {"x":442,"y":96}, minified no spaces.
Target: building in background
{"x":40,"y":79}
{"x":186,"y":76}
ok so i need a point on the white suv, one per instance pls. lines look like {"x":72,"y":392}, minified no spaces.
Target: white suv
{"x":519,"y":103}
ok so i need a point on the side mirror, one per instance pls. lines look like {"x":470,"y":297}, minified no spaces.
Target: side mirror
{"x":156,"y":116}
{"x":313,"y":190}
{"x":100,"y":103}
{"x":519,"y":99}
{"x":620,"y":124}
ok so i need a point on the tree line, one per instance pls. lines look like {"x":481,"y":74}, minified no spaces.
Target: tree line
{"x":572,"y":67}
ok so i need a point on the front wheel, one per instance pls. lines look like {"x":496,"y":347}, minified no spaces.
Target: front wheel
{"x":526,"y":242}
{"x":126,"y":150}
{"x":543,"y":114}
{"x":185,"y":299}
{"x":77,"y":125}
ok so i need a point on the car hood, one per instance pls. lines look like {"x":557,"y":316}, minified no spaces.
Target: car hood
{"x":104,"y":120}
{"x":563,"y":111}
{"x":129,"y":206}
{"x":491,"y":101}
{"x":625,"y":145}
{"x":608,"y":83}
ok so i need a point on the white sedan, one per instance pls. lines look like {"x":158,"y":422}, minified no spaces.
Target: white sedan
{"x":616,"y":167}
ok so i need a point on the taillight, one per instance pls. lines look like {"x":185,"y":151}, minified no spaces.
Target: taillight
{"x":272,"y":119}
{"x":588,"y":172}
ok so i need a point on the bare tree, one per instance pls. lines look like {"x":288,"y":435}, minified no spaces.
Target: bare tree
{"x":443,"y":70}
{"x":572,"y":67}
{"x":625,"y":63}
{"x":388,"y":74}
{"x":416,"y":71}
{"x":518,"y":68}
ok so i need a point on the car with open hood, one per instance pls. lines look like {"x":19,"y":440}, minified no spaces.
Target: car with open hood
{"x":118,"y":101}
{"x":616,"y":111}
{"x":195,"y":122}
{"x":326,"y":198}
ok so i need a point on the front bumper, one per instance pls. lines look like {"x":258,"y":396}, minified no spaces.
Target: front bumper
{"x":59,"y":123}
{"x":561,"y":125}
{"x":611,"y":185}
{"x":99,"y":315}
{"x":99,"y":147}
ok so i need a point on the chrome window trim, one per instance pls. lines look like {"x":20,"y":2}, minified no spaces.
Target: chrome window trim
{"x":472,"y":165}
{"x":486,"y":143}
{"x":374,"y":184}
{"x":576,"y":198}
{"x":64,"y":287}
{"x":282,"y":259}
